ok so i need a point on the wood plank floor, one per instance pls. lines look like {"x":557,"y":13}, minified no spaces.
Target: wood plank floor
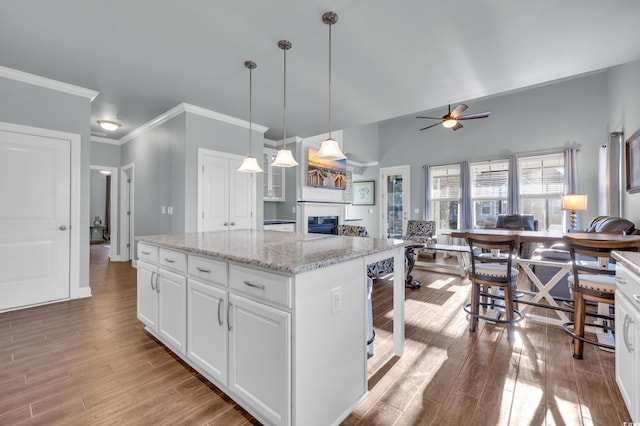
{"x":90,"y":362}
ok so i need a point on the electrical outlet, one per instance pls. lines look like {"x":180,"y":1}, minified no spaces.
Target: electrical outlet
{"x":163,"y":210}
{"x":170,"y":210}
{"x":336,"y":299}
{"x":293,"y":209}
{"x":417,"y":211}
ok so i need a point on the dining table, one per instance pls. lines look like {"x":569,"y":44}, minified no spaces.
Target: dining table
{"x":558,"y":312}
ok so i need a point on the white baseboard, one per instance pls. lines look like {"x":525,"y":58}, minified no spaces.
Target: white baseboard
{"x":84,"y":292}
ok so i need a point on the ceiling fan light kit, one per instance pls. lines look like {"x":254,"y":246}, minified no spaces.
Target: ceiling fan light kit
{"x":330,"y":150}
{"x":452,"y":119}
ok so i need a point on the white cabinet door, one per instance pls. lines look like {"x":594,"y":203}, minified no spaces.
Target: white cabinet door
{"x":260,"y":358}
{"x":207,"y":329}
{"x":227,"y":198}
{"x":172,"y":293}
{"x":147,"y":295}
{"x":627,"y":355}
{"x":274,"y":177}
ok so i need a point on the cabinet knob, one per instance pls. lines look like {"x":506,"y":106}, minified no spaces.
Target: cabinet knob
{"x":62,"y":228}
{"x":226,"y":224}
{"x":233,"y":223}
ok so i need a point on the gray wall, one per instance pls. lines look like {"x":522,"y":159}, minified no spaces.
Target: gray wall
{"x":543,"y":118}
{"x":624,"y":116}
{"x":159,"y":168}
{"x":98,"y":197}
{"x":105,"y":154}
{"x":286,"y":210}
{"x":35,"y":106}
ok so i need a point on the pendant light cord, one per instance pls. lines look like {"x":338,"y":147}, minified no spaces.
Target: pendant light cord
{"x":250,"y":103}
{"x":284,"y":107}
{"x":330,"y":117}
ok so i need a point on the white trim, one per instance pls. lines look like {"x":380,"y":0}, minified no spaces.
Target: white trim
{"x":114,"y":253}
{"x":99,"y":139}
{"x":223,"y":117}
{"x":74,"y":238}
{"x":123,"y":212}
{"x":184,"y":107}
{"x":48,"y":83}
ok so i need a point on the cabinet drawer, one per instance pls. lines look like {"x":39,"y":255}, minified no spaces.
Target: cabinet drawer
{"x":261,"y":285}
{"x":208,"y":270}
{"x":628,"y":283}
{"x":147,"y":253}
{"x":173,"y":260}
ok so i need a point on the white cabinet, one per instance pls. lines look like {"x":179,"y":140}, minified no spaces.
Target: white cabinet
{"x":260,"y":357}
{"x":172,"y":291}
{"x":628,"y":338}
{"x":274,"y":177}
{"x":207,"y":329}
{"x":147,"y":295}
{"x":227,"y":197}
{"x":283,"y":227}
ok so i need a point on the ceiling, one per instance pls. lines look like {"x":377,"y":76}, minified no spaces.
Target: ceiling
{"x":390,"y":59}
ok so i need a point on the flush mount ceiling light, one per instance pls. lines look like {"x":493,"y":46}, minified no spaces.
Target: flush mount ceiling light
{"x":330,"y":149}
{"x":250,"y":165}
{"x":105,"y":172}
{"x":284,"y":157}
{"x":109,"y":126}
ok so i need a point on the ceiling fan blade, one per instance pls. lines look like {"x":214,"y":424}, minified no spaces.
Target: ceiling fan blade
{"x":457,"y":126}
{"x":430,"y":118}
{"x":428,"y":127}
{"x":458,"y":110}
{"x":474,"y":116}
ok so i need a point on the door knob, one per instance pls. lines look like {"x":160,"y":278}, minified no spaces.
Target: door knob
{"x":62,"y":228}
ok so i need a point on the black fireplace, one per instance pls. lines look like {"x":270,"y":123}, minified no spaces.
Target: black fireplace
{"x":323,"y":224}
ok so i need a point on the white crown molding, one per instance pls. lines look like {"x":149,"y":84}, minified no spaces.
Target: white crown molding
{"x":222,"y":117}
{"x":270,"y":143}
{"x":360,"y":164}
{"x":184,"y":107}
{"x":105,"y":140}
{"x":48,"y":83}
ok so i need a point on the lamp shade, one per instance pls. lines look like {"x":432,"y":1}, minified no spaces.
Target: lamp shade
{"x":284,"y":159}
{"x":250,"y":165}
{"x":574,"y":202}
{"x":330,"y":150}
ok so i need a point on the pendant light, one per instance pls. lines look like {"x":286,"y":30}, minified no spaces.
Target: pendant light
{"x":284,"y":157}
{"x":330,"y":149}
{"x":250,"y":165}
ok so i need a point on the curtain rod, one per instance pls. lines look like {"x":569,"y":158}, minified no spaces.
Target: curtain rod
{"x":507,"y":156}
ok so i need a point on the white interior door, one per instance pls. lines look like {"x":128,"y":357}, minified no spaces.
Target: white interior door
{"x":395,"y":199}
{"x":126,"y":212}
{"x":241,"y":197}
{"x":215,"y":193}
{"x":35,"y":221}
{"x":226,"y":197}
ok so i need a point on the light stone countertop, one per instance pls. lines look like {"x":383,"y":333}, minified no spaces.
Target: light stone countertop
{"x":629,"y":259}
{"x":279,"y":251}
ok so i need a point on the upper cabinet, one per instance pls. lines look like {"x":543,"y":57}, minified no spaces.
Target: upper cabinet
{"x":273,"y":177}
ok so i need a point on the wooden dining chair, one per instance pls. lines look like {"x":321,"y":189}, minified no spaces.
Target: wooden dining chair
{"x":592,"y":280}
{"x":493,"y":271}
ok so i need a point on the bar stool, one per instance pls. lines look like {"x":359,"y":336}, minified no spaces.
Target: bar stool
{"x":494,"y":270}
{"x":591,"y":281}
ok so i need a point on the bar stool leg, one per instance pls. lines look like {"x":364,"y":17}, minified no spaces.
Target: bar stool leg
{"x":578,"y":328}
{"x":508,"y":308}
{"x":475,"y":306}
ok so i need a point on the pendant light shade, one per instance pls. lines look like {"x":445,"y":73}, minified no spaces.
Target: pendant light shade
{"x":330,"y":149}
{"x":284,"y":158}
{"x":250,"y":165}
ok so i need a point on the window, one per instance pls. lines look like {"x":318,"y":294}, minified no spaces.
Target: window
{"x":445,"y":195}
{"x":489,"y":189}
{"x":541,"y":186}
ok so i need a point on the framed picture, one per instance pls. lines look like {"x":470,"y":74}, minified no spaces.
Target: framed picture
{"x":321,"y":173}
{"x":364,"y":193}
{"x":633,"y":163}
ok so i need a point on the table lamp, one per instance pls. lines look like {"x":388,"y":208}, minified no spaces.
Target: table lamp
{"x":573,"y":203}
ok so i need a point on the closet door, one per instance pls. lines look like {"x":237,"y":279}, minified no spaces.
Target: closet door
{"x":215,"y":193}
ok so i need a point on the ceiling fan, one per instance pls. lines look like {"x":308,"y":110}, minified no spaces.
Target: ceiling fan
{"x":452,"y":119}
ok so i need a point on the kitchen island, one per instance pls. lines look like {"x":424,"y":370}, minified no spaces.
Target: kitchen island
{"x":274,"y":319}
